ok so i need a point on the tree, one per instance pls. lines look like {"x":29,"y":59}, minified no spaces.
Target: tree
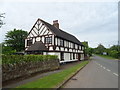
{"x":100,"y":49}
{"x":15,"y":39}
{"x":1,"y":16}
{"x":88,"y":50}
{"x":115,"y":47}
{"x":7,"y":49}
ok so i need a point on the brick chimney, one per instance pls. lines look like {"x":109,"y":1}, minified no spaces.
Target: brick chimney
{"x":56,"y":24}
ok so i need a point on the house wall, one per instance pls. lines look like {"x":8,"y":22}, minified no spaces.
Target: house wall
{"x":38,"y":33}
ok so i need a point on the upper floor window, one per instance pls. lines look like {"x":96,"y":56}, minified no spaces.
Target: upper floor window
{"x":61,"y":42}
{"x":29,"y":42}
{"x":67,"y":44}
{"x":48,"y":40}
{"x":73,"y":45}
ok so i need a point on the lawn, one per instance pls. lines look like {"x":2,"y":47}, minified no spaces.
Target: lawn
{"x":107,"y":57}
{"x":53,"y":80}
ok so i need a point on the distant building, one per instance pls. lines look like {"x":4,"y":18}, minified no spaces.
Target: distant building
{"x":104,"y":53}
{"x":47,"y":39}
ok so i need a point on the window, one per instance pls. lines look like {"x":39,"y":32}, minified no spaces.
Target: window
{"x":61,"y":42}
{"x":56,"y":41}
{"x":64,"y":43}
{"x":67,"y":43}
{"x":73,"y":45}
{"x":48,"y":40}
{"x":29,"y":42}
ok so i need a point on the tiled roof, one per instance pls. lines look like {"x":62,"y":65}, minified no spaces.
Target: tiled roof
{"x":37,"y":46}
{"x":62,"y":34}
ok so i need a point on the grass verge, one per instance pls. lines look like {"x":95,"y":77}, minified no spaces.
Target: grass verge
{"x":53,"y":80}
{"x":107,"y":57}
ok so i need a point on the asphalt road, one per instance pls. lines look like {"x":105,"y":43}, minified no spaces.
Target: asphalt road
{"x":99,"y":73}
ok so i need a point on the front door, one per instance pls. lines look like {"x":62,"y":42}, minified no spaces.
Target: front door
{"x":62,"y":56}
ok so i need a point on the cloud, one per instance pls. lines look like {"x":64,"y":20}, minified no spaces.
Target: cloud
{"x":86,"y":20}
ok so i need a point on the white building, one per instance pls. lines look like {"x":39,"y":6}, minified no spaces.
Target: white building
{"x":48,"y":39}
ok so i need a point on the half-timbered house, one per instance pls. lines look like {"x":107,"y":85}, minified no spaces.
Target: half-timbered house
{"x":47,"y":39}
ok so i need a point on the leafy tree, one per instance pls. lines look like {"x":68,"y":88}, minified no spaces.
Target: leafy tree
{"x":1,"y":16}
{"x":88,"y":50}
{"x":7,"y":49}
{"x":115,"y":47}
{"x":15,"y":39}
{"x":100,"y":49}
{"x":114,"y":51}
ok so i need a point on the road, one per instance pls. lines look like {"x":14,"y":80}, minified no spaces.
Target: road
{"x":99,"y":73}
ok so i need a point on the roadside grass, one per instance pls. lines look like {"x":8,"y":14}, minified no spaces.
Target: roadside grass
{"x":53,"y":80}
{"x":107,"y":57}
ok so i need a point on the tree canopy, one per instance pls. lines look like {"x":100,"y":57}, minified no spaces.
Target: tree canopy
{"x":1,"y":21}
{"x":15,"y":39}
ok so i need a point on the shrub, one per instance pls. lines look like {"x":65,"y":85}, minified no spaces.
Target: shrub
{"x":114,"y":53}
{"x":13,"y":59}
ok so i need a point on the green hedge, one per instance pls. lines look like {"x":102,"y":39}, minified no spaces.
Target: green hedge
{"x":114,"y":53}
{"x":13,"y":59}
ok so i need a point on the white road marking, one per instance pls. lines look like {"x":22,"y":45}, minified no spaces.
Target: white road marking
{"x":115,"y":74}
{"x":104,"y":68}
{"x":108,"y":70}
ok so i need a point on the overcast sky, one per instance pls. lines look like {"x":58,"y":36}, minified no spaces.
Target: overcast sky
{"x":95,"y":22}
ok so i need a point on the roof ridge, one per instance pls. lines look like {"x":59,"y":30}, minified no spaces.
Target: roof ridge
{"x":61,"y":33}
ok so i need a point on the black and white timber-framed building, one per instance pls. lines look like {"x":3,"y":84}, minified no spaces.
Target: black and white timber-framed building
{"x":47,"y":39}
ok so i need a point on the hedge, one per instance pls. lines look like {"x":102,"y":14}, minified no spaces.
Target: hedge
{"x":14,"y":59}
{"x":114,"y":53}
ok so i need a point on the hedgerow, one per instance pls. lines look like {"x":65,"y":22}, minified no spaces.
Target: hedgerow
{"x":14,"y":59}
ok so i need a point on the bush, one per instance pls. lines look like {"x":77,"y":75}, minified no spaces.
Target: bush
{"x":114,"y":53}
{"x":13,"y":59}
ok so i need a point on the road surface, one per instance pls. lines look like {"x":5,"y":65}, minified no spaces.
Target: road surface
{"x":99,"y":73}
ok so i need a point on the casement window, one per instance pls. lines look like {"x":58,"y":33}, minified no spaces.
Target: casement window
{"x":76,"y":46}
{"x":79,"y":47}
{"x":29,"y":42}
{"x":67,"y":44}
{"x":61,"y":42}
{"x":48,"y":40}
{"x":56,"y":41}
{"x":73,"y":45}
